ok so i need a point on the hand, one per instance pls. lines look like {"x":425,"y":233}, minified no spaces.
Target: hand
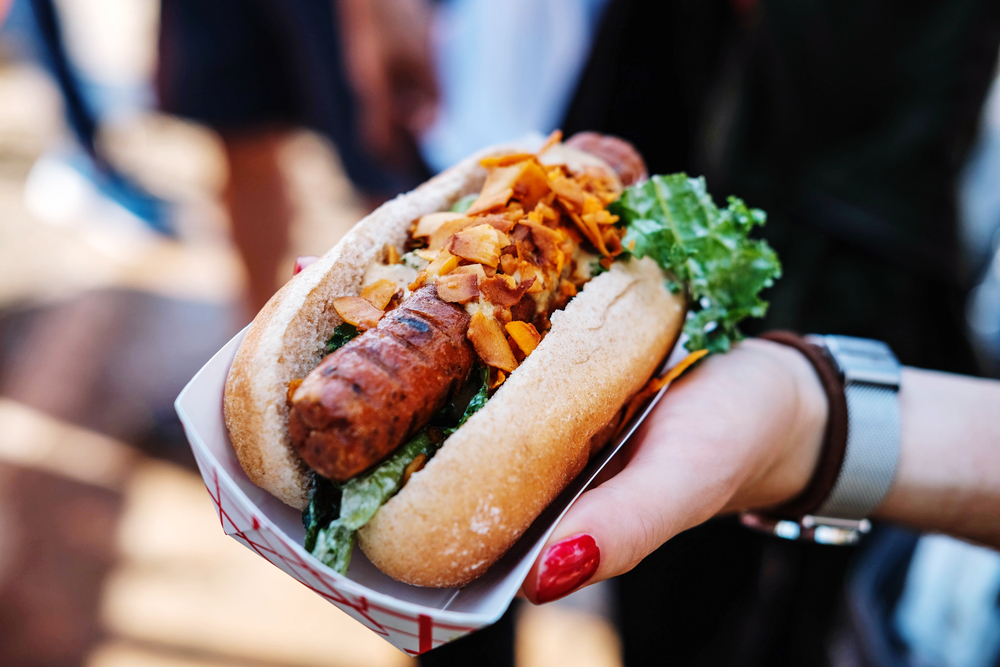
{"x":389,"y":62}
{"x":741,"y":431}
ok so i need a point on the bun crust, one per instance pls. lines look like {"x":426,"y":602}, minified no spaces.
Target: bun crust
{"x":495,"y":475}
{"x":492,"y":478}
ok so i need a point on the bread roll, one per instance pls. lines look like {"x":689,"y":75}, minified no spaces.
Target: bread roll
{"x":489,"y":481}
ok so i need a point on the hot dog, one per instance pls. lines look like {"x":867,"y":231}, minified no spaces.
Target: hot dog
{"x":477,"y":385}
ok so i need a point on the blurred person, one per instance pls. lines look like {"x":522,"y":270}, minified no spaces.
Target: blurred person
{"x":487,"y":50}
{"x":41,"y":31}
{"x":357,"y":71}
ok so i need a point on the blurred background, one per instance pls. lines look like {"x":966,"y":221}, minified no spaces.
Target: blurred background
{"x":162,"y":166}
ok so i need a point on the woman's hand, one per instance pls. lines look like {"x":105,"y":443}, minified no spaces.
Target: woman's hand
{"x":742,"y":430}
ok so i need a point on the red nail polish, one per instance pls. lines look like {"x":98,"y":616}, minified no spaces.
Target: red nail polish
{"x":566,"y":565}
{"x":302,"y":262}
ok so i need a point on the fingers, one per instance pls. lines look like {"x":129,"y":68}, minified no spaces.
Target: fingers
{"x":723,"y":437}
{"x":612,"y":527}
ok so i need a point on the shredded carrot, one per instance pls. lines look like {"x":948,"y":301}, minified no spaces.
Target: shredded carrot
{"x":551,"y":141}
{"x":656,"y":384}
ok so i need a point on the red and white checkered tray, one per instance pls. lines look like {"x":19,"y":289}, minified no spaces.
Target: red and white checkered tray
{"x":413,"y":619}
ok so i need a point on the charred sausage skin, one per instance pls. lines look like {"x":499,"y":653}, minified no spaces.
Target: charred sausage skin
{"x":364,"y":400}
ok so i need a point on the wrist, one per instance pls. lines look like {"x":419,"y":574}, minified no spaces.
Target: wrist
{"x":786,"y":466}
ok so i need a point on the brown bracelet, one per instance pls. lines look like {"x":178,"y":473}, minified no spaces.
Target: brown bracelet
{"x":831,"y":456}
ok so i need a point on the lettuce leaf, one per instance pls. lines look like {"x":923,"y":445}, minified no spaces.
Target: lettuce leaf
{"x":706,"y":251}
{"x":362,"y":496}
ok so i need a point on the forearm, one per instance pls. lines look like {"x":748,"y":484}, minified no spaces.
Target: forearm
{"x":948,"y":479}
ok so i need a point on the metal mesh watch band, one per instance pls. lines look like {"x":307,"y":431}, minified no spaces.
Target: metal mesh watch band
{"x":871,"y":385}
{"x":867,"y":460}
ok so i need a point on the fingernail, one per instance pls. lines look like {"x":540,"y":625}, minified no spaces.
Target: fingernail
{"x":302,"y":262}
{"x":566,"y":565}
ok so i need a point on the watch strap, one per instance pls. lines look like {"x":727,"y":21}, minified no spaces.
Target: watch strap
{"x":871,"y":384}
{"x":834,"y":447}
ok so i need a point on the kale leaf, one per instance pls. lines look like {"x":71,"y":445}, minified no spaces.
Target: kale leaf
{"x":342,"y":335}
{"x":705,"y":250}
{"x":323,"y":507}
{"x":363,"y":495}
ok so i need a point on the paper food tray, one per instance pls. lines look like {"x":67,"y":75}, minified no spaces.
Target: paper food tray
{"x":411,"y":618}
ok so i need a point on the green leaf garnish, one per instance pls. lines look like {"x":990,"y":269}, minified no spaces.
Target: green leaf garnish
{"x":342,"y":335}
{"x":706,"y":252}
{"x":464,"y":204}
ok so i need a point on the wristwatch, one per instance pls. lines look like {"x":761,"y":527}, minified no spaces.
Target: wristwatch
{"x":870,"y":374}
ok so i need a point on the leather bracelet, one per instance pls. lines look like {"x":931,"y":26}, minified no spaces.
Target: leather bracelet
{"x":834,"y":446}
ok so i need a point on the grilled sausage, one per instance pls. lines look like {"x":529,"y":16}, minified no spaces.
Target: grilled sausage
{"x":367,"y":398}
{"x":618,"y":153}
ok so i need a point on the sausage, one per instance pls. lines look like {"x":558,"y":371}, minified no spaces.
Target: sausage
{"x":367,"y":398}
{"x":618,"y":153}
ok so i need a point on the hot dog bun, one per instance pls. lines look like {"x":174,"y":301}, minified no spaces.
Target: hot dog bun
{"x":465,"y":509}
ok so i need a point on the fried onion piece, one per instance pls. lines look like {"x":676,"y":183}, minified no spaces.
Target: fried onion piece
{"x":509,"y":261}
{"x":547,"y":242}
{"x":496,"y":378}
{"x":569,"y":193}
{"x":530,"y":272}
{"x":500,"y":292}
{"x":525,"y":335}
{"x":442,"y":235}
{"x":505,"y":160}
{"x":531,"y":185}
{"x":430,"y":223}
{"x":591,"y":231}
{"x":443,"y":264}
{"x":357,"y":311}
{"x":379,"y":293}
{"x":501,"y":223}
{"x":487,"y":336}
{"x":497,"y":190}
{"x":524,"y":181}
{"x":458,"y":287}
{"x":391,"y":254}
{"x":480,"y":244}
{"x":475,"y":269}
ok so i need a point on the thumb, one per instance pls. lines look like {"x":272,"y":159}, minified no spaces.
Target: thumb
{"x":661,"y":491}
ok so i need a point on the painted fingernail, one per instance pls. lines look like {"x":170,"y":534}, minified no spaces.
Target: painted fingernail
{"x":302,"y":262}
{"x":566,"y":565}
